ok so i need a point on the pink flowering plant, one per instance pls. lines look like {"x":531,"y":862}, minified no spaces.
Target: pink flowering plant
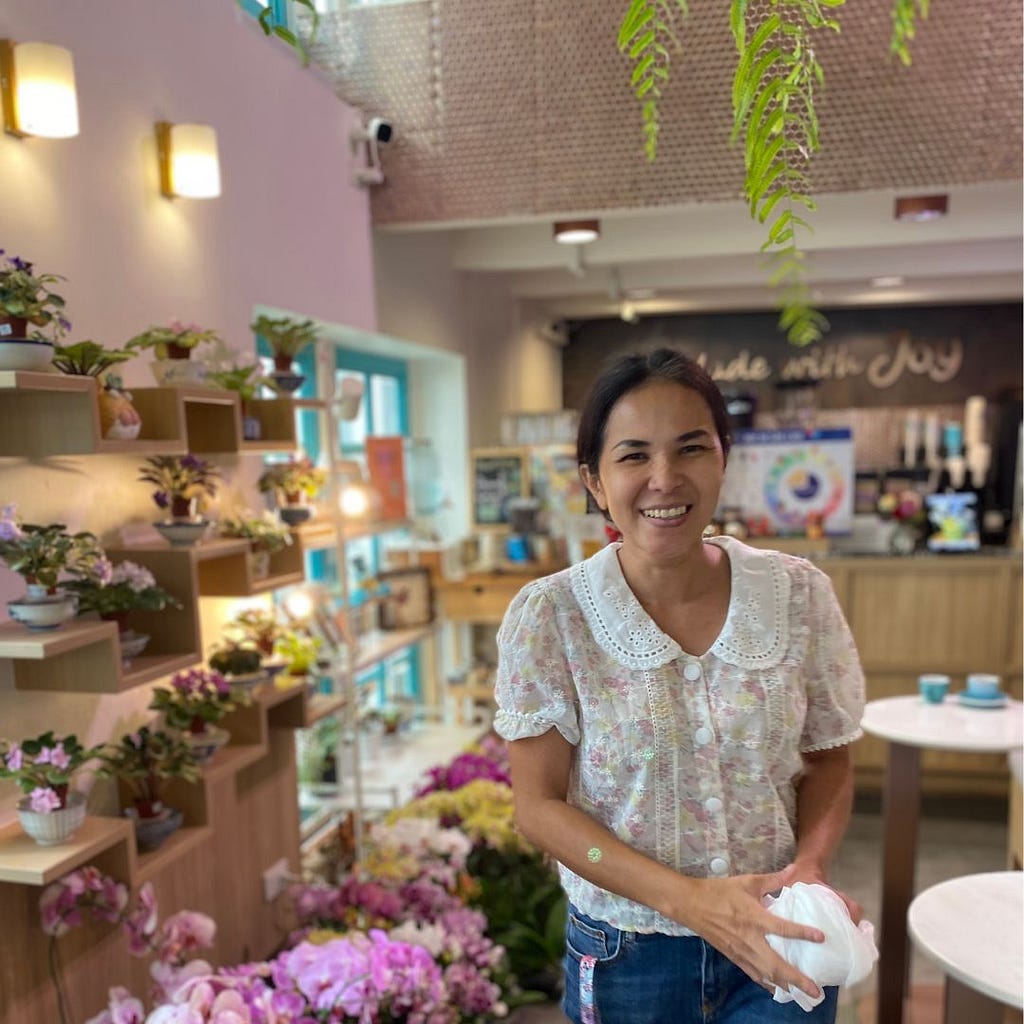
{"x":43,"y":767}
{"x":130,"y":587}
{"x":196,"y":698}
{"x":175,"y":341}
{"x":42,"y":553}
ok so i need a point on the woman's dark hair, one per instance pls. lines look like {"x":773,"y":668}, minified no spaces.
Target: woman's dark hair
{"x":631,"y":371}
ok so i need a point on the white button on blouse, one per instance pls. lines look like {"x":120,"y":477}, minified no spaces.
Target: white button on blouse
{"x":713,"y":804}
{"x":692,"y":671}
{"x":719,"y":866}
{"x":702,"y":736}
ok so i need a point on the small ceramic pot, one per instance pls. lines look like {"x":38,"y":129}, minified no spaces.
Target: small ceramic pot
{"x":178,"y":373}
{"x":25,"y":354}
{"x":49,"y":613}
{"x":152,"y":832}
{"x":206,"y":743}
{"x":57,"y":826}
{"x":295,"y":514}
{"x":183,"y":534}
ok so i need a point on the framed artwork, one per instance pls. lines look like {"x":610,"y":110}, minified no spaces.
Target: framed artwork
{"x":409,"y":601}
{"x":497,"y":475}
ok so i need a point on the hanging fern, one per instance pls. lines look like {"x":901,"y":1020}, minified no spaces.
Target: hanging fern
{"x":904,"y":24}
{"x":271,"y":26}
{"x":773,"y":111}
{"x":646,"y":32}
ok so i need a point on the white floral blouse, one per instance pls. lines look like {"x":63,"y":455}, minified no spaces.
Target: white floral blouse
{"x":691,"y":760}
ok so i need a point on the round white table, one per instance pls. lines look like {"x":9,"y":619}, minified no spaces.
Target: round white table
{"x":909,"y":724}
{"x":973,"y":928}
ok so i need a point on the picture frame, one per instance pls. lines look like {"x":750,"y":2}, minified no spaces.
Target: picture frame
{"x":496,"y":476}
{"x":409,"y":601}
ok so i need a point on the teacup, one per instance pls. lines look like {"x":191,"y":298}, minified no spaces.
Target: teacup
{"x":933,"y":687}
{"x":983,"y":686}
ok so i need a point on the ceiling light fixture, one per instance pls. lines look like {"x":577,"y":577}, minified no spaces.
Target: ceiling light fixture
{"x":887,"y":281}
{"x":577,"y":232}
{"x":628,"y":313}
{"x":37,"y":82}
{"x":919,"y":208}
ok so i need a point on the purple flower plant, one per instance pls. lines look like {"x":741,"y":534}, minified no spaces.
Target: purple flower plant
{"x":464,"y":769}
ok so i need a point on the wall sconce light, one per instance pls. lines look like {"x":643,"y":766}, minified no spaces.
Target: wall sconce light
{"x":189,"y":166}
{"x":37,"y":82}
{"x":357,"y":499}
{"x":577,"y":232}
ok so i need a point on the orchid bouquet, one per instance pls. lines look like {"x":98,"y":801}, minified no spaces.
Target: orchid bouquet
{"x":42,"y":768}
{"x":196,"y":698}
{"x":130,"y":587}
{"x":41,"y":553}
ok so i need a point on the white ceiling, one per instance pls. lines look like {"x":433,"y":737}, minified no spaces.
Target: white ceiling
{"x":705,"y":256}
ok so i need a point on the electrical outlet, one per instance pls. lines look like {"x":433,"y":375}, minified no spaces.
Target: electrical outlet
{"x":275,"y":878}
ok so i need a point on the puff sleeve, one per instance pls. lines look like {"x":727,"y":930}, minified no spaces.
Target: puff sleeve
{"x":833,"y":676}
{"x":534,"y":689}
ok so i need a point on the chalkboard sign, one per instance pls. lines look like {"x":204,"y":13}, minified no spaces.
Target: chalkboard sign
{"x":496,"y":476}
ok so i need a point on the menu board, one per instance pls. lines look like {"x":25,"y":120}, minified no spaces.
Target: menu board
{"x":787,"y":476}
{"x":497,"y":476}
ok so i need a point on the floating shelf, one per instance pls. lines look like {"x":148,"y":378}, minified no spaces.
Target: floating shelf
{"x":228,"y":572}
{"x":380,"y":644}
{"x":186,"y":839}
{"x":25,"y":862}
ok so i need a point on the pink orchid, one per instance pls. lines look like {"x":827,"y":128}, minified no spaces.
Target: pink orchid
{"x":122,"y":1008}
{"x":140,"y":925}
{"x":184,"y":932}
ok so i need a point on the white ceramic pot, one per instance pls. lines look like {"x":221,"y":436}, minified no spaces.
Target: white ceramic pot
{"x":183,"y":533}
{"x":25,"y":354}
{"x":57,"y":826}
{"x":206,"y":743}
{"x":178,"y":373}
{"x":42,"y":615}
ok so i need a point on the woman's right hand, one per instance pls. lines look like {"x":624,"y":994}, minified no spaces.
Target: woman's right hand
{"x":729,"y":914}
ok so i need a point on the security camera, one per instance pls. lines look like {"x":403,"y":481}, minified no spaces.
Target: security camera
{"x":375,"y":133}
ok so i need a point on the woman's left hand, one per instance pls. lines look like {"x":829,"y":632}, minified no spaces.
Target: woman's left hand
{"x":813,"y":873}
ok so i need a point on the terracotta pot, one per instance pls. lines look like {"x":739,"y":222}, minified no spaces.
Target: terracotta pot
{"x":177,"y":351}
{"x":282,"y":362}
{"x":121,"y":618}
{"x":182,"y":508}
{"x":13,"y":326}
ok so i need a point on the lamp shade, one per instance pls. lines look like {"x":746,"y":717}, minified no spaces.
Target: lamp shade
{"x":576,"y":232}
{"x":38,"y":90}
{"x":189,"y":165}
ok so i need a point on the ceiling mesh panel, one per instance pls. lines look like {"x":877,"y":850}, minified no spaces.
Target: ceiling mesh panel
{"x":511,"y":107}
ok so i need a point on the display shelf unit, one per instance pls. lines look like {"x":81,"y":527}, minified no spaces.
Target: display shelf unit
{"x":150,"y":864}
{"x":229,"y":573}
{"x":379,"y":645}
{"x":24,"y":862}
{"x":320,"y":534}
{"x":276,"y":417}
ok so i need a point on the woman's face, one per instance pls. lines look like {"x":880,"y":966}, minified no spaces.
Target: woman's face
{"x":661,"y":467}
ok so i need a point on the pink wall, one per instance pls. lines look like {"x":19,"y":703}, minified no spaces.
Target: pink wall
{"x":289,"y":230}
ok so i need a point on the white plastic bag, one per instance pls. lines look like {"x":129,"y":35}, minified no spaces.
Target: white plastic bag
{"x":844,"y":958}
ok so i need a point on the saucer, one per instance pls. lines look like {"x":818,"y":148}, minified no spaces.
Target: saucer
{"x":982,"y":702}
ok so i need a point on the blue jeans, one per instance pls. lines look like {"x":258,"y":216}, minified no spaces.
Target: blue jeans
{"x":668,"y":979}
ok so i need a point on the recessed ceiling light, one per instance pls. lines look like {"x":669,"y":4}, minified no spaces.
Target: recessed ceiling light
{"x":918,"y":208}
{"x":577,"y":232}
{"x":891,"y":281}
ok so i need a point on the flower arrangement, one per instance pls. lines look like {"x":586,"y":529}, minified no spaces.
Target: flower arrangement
{"x":130,"y":587}
{"x":196,"y":698}
{"x":462,"y":770}
{"x":285,"y":335}
{"x":259,"y":626}
{"x":43,"y":767}
{"x":183,"y":482}
{"x":143,"y":760}
{"x":41,"y":553}
{"x":265,"y":532}
{"x":87,"y":358}
{"x":175,"y":341}
{"x":26,"y":298}
{"x":294,"y":479}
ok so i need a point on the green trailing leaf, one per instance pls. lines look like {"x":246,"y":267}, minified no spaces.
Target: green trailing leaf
{"x":283,"y":32}
{"x":904,"y":26}
{"x":773,"y":113}
{"x":645,"y":35}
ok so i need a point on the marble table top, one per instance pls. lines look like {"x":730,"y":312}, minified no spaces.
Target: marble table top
{"x":946,"y":726}
{"x":973,"y":927}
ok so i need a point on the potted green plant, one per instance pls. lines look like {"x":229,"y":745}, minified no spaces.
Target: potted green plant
{"x":293,"y":483}
{"x":183,"y":483}
{"x":119,"y":419}
{"x":143,"y":761}
{"x":50,"y":812}
{"x":173,"y":346}
{"x":41,"y":555}
{"x":236,"y":658}
{"x":247,"y":382}
{"x":265,"y":533}
{"x":258,"y":626}
{"x":286,"y":336}
{"x":193,"y":704}
{"x":300,"y":652}
{"x":26,"y":299}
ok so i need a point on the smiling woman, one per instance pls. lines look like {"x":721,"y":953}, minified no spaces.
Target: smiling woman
{"x":685,"y":707}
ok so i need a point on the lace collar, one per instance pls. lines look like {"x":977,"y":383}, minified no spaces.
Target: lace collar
{"x":756,"y":629}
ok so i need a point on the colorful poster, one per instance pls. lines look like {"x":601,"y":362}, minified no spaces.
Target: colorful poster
{"x":786,"y":476}
{"x":385,"y":462}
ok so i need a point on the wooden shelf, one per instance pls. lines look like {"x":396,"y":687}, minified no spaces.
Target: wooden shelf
{"x":17,"y":641}
{"x":186,"y":839}
{"x":375,"y":647}
{"x":230,"y":760}
{"x":24,"y":862}
{"x":146,"y":668}
{"x":322,"y":705}
{"x":227,"y":572}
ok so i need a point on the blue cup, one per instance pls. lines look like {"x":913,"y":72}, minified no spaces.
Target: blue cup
{"x":983,"y":686}
{"x":933,"y":687}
